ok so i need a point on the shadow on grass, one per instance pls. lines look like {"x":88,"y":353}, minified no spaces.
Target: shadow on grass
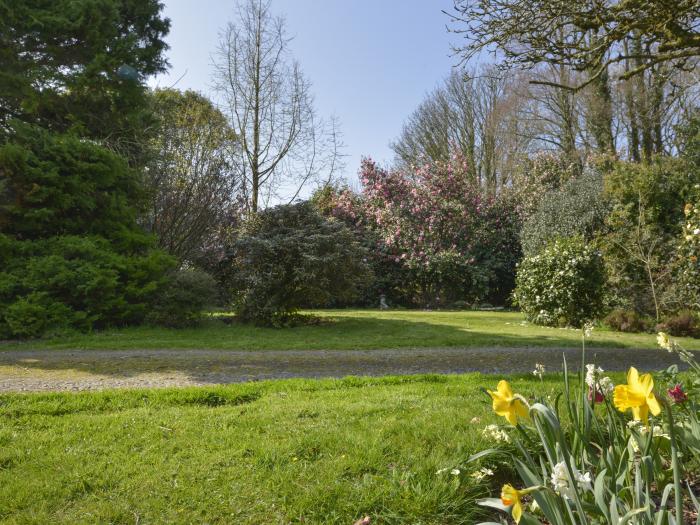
{"x":410,"y":347}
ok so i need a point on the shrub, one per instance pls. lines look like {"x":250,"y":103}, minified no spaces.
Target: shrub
{"x":72,"y":253}
{"x":626,"y":321}
{"x":577,"y":208}
{"x":682,"y":324}
{"x":288,"y":257}
{"x":641,"y":240}
{"x":562,"y":285}
{"x":539,"y":175}
{"x":688,"y":267}
{"x":37,"y":314}
{"x":437,"y":236}
{"x":182,"y":300}
{"x":75,"y":282}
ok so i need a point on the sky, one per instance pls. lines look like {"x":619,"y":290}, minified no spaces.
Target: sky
{"x":370,"y":62}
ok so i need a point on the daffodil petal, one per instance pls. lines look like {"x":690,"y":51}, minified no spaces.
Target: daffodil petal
{"x":521,"y":409}
{"x":641,"y":413}
{"x":504,"y":389}
{"x":646,"y":383}
{"x":621,"y":398}
{"x":653,"y":405}
{"x":517,"y":512}
{"x":632,"y":377}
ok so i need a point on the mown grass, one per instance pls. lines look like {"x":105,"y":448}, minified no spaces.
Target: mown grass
{"x":355,"y":329}
{"x":294,"y":451}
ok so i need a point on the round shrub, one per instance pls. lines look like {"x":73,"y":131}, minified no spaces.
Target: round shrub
{"x":626,"y":321}
{"x":289,"y":257}
{"x":37,"y":314}
{"x":685,"y":323}
{"x":562,"y":285}
{"x":182,"y":301}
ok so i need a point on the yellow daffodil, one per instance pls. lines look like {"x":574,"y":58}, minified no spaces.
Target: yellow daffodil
{"x":510,"y":496}
{"x":638,"y":395}
{"x":507,"y":405}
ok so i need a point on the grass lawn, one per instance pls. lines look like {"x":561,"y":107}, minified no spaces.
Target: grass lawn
{"x":294,"y":451}
{"x":356,"y":329}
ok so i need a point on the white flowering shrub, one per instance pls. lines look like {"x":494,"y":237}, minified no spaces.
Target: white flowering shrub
{"x":562,"y":285}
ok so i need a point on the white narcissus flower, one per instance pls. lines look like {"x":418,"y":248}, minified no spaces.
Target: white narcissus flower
{"x":482,"y":474}
{"x":539,"y":370}
{"x":665,"y":342}
{"x":561,"y":484}
{"x":591,"y":372}
{"x":606,"y":386}
{"x":493,"y":432}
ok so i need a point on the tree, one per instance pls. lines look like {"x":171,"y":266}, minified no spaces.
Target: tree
{"x":72,"y":254}
{"x":599,"y":42}
{"x":437,"y":224}
{"x":64,"y":63}
{"x":587,"y":36}
{"x":472,"y":114}
{"x":191,"y":181}
{"x":282,"y":144}
{"x":290,"y":256}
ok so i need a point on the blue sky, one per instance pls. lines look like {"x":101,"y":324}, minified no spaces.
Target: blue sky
{"x":370,"y":61}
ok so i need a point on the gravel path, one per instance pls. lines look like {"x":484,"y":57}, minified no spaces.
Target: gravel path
{"x":44,"y":370}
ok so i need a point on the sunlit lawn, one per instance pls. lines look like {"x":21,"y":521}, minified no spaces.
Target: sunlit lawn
{"x":356,"y":329}
{"x":295,"y":451}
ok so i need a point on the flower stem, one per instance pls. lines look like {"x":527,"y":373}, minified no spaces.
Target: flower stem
{"x":675,"y":464}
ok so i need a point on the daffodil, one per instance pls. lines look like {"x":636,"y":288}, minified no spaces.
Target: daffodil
{"x":512,"y":497}
{"x":508,"y":405}
{"x":637,"y":395}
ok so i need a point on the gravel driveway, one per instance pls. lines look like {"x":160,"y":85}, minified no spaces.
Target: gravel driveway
{"x":42,"y":370}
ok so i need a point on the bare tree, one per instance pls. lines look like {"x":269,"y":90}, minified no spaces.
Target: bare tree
{"x":282,"y":144}
{"x":471,"y":113}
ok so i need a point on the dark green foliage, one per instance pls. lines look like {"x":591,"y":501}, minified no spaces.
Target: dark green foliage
{"x":55,"y":184}
{"x":661,"y":189}
{"x":59,"y":63}
{"x":626,"y":321}
{"x":290,"y":256}
{"x":562,"y":285}
{"x":689,"y":140}
{"x":577,"y":208}
{"x":75,"y":282}
{"x":72,"y":253}
{"x":180,"y":303}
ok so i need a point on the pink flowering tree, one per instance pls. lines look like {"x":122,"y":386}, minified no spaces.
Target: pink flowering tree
{"x":449,"y":239}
